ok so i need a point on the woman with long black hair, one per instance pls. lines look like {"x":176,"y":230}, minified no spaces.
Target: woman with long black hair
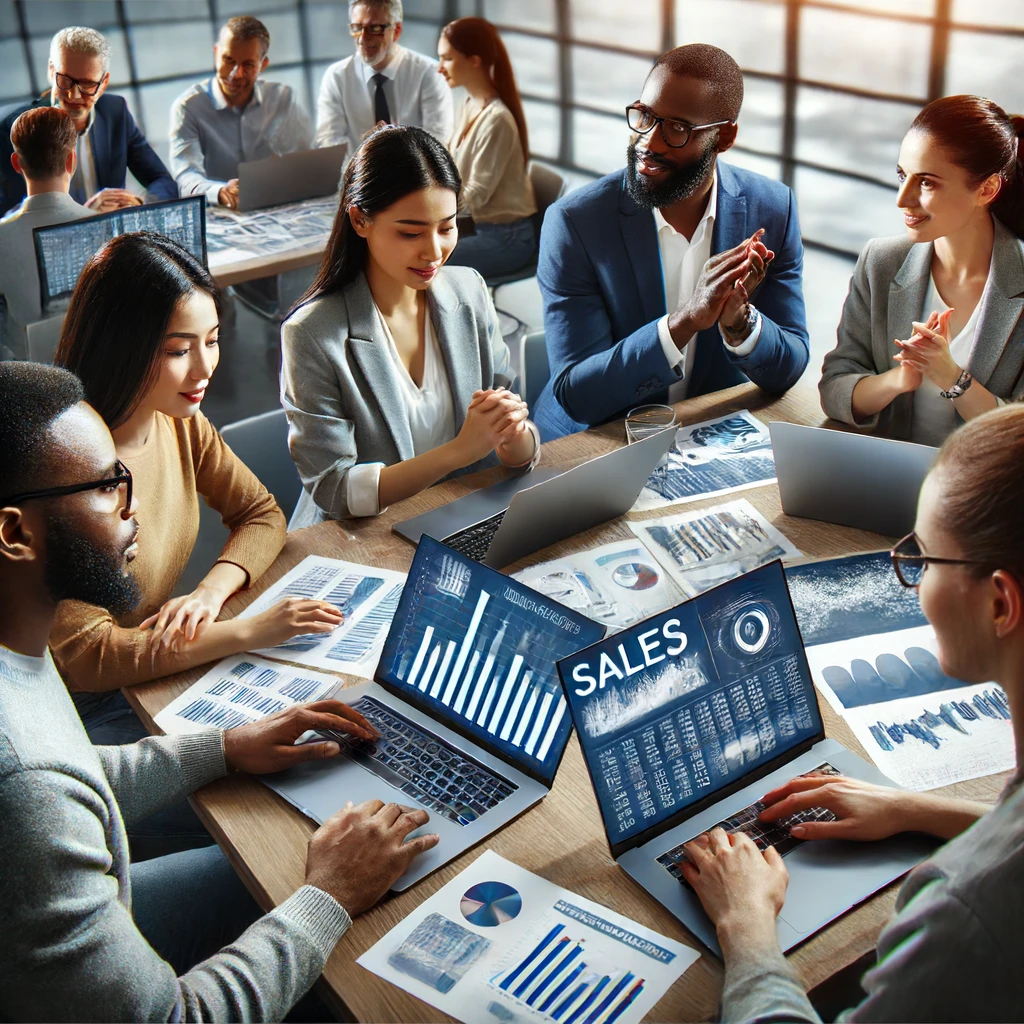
{"x":394,"y":372}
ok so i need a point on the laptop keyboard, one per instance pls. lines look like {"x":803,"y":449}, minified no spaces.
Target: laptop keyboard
{"x":776,"y":833}
{"x":423,"y":766}
{"x":474,"y":541}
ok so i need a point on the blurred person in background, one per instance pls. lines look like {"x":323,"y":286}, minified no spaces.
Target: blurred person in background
{"x":109,"y":142}
{"x":490,"y":148}
{"x":932,"y":333}
{"x":381,"y":81}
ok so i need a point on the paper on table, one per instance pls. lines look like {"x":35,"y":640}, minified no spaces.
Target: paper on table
{"x":616,"y":584}
{"x":720,"y":456}
{"x":268,"y":232}
{"x":702,"y":549}
{"x":367,"y":597}
{"x":240,"y":690}
{"x":499,"y":944}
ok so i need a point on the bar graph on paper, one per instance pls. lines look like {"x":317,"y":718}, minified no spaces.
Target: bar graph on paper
{"x":556,"y":979}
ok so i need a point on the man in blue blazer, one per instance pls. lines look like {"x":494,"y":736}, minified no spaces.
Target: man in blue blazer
{"x":109,"y":141}
{"x":648,"y":274}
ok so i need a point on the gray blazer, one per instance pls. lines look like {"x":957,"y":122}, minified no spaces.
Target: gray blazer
{"x":341,"y":394}
{"x":887,"y":293}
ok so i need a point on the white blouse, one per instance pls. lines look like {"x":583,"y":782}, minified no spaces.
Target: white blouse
{"x":934,"y":417}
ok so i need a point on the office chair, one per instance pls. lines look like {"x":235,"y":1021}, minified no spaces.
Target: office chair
{"x":533,"y":367}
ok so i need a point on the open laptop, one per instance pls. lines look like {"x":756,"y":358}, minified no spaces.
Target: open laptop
{"x":852,"y":479}
{"x":687,"y":719}
{"x":472,"y":717}
{"x":307,"y":174}
{"x":515,"y":517}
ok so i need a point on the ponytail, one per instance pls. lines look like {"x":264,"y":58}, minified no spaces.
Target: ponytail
{"x":1008,"y":205}
{"x":477,"y":37}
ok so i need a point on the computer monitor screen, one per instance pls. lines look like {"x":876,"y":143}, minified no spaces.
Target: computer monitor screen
{"x":685,"y":704}
{"x":62,"y":250}
{"x":477,"y":650}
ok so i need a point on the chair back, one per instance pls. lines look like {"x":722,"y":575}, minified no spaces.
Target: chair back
{"x":533,"y":367}
{"x":42,"y":338}
{"x":261,"y":442}
{"x":548,"y":187}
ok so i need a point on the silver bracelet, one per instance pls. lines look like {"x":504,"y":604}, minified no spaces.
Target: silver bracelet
{"x":963,"y":382}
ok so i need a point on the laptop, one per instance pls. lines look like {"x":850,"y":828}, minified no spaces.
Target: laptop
{"x":687,"y":719}
{"x":858,"y":480}
{"x":499,"y":524}
{"x":467,"y":700}
{"x":307,"y":174}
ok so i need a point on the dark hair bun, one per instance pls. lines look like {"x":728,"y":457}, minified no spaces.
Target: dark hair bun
{"x":1017,"y":124}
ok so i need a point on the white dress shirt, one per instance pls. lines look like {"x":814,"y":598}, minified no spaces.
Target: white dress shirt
{"x":210,"y":138}
{"x":416,"y":95}
{"x":682,"y":261}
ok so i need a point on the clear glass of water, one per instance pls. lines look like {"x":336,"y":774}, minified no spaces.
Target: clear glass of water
{"x":645,"y":420}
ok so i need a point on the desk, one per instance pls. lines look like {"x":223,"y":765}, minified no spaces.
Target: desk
{"x":562,"y":838}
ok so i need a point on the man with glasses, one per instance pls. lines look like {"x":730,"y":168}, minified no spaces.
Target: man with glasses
{"x":234,"y":117}
{"x":382,"y":81}
{"x":109,"y":141}
{"x":87,"y":935}
{"x":677,"y":276}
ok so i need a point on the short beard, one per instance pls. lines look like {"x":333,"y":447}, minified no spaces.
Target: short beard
{"x":78,"y":570}
{"x":677,"y":186}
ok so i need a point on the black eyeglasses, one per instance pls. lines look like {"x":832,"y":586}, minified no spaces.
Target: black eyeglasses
{"x":909,"y":562}
{"x":675,"y":133}
{"x":370,"y":30}
{"x":123,"y":475}
{"x":66,"y":83}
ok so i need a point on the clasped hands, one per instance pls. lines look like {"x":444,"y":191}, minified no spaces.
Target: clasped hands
{"x":496,"y":420}
{"x":926,"y":354}
{"x":108,"y":199}
{"x":723,"y":290}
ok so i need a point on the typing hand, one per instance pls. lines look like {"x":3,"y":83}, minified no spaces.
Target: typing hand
{"x":228,"y":195}
{"x":740,"y":888}
{"x":360,"y":852}
{"x":269,"y":744}
{"x":864,"y":811}
{"x":108,"y":199}
{"x":927,"y":351}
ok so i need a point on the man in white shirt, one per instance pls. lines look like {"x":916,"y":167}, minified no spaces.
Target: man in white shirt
{"x":44,"y":142}
{"x":382,"y":81}
{"x":233,"y":117}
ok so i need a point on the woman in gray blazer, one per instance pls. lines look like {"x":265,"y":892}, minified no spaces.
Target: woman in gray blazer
{"x":952,"y":289}
{"x":394,"y":372}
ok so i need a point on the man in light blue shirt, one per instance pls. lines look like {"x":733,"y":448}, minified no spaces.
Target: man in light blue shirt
{"x":233,"y":118}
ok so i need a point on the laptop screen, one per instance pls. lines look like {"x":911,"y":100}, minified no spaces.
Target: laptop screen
{"x":688,"y":703}
{"x":477,"y":651}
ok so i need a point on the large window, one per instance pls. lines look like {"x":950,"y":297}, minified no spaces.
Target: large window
{"x":831,"y":85}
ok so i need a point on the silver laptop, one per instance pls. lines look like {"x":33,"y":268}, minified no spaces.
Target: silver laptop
{"x":308,"y":174}
{"x":853,"y":479}
{"x":687,"y":719}
{"x":472,"y":717}
{"x":497,"y":525}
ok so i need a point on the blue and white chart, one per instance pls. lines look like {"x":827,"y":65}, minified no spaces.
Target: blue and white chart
{"x":367,"y":597}
{"x":715,"y":457}
{"x":240,"y":690}
{"x":481,"y":649}
{"x":559,"y":958}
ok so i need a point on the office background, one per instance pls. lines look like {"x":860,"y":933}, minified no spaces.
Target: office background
{"x":831,"y":85}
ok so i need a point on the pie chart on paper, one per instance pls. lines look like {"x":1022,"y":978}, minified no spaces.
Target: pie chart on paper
{"x":487,"y":904}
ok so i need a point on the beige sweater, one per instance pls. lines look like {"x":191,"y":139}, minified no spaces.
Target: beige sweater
{"x":496,"y":186}
{"x":181,"y":460}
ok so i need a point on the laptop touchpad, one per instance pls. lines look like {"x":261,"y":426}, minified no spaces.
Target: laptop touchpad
{"x":824,"y":881}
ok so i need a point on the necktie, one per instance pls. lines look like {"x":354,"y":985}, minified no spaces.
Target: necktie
{"x":380,"y":101}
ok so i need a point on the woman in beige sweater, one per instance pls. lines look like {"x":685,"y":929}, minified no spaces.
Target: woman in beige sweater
{"x":490,"y":148}
{"x":141,"y":333}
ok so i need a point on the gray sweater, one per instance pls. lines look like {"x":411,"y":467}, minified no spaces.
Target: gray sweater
{"x":69,"y":949}
{"x":951,"y":952}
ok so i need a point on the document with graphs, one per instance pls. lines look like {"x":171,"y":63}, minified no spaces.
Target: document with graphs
{"x":367,"y":598}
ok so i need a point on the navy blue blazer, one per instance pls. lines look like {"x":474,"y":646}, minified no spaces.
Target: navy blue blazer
{"x":117,"y":147}
{"x":600,"y":274}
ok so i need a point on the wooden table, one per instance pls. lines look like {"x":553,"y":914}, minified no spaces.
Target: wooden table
{"x":561,"y":839}
{"x":251,"y":268}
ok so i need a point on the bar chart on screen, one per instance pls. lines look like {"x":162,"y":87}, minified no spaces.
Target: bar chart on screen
{"x":555,"y":979}
{"x":481,"y":649}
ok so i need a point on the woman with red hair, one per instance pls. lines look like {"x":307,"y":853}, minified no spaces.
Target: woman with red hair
{"x":490,"y":149}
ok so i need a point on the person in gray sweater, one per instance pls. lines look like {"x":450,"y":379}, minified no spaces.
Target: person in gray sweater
{"x":86,"y":935}
{"x":952,"y":950}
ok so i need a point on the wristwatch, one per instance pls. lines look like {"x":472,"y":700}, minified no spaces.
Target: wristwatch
{"x":744,"y":329}
{"x":963,"y":382}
